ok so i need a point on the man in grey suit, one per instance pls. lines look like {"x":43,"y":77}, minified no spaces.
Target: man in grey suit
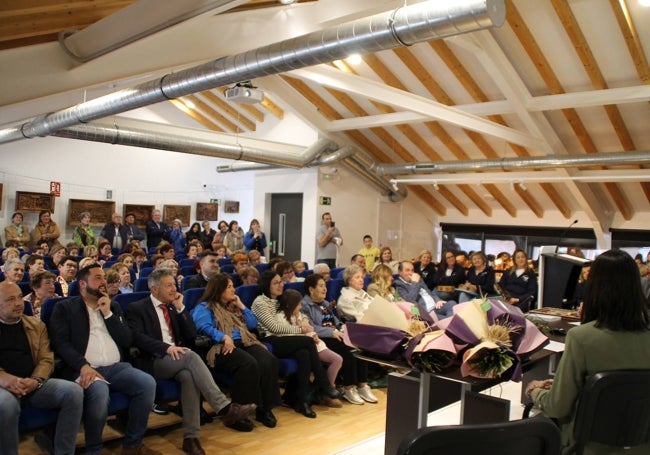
{"x":163,"y":330}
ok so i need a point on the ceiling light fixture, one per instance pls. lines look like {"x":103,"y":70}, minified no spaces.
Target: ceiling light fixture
{"x":354,"y":59}
{"x":435,"y":186}
{"x":287,"y":2}
{"x":245,"y":93}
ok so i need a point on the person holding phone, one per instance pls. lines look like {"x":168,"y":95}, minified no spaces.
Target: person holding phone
{"x":328,"y":238}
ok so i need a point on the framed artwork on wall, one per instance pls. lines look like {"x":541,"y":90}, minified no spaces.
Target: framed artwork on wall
{"x":100,"y":211}
{"x":142,"y":213}
{"x":231,"y":207}
{"x":207,"y":211}
{"x":1,"y":196}
{"x":182,"y":212}
{"x":34,"y":202}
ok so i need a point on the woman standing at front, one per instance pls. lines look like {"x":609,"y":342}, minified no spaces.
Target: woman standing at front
{"x":614,"y":335}
{"x":300,"y":348}
{"x":222,"y":316}
{"x":329,"y":329}
{"x":46,"y":230}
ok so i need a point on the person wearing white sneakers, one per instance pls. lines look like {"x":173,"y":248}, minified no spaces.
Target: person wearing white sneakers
{"x":328,"y":328}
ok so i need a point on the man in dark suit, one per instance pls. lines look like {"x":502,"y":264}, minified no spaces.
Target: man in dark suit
{"x":163,"y":330}
{"x":92,"y":338}
{"x":209,"y":265}
{"x":157,"y":231}
{"x":115,"y":232}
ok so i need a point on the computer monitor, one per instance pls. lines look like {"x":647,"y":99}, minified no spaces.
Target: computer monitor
{"x":558,"y":277}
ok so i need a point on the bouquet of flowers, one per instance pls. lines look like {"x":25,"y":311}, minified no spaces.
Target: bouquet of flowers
{"x":497,"y":335}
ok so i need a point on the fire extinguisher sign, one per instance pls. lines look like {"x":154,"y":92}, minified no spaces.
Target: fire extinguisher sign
{"x":55,"y":189}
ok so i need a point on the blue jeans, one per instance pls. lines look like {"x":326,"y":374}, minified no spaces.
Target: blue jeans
{"x":55,"y":394}
{"x":141,"y":389}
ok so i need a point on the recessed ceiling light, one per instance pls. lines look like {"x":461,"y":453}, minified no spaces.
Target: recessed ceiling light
{"x":287,"y":2}
{"x":353,"y":59}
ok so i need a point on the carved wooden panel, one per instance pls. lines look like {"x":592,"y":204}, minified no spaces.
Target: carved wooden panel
{"x":100,"y":211}
{"x":231,"y":206}
{"x":207,"y":211}
{"x":182,"y":212}
{"x":34,"y":202}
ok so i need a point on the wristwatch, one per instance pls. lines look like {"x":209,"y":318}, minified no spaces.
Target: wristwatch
{"x":40,"y":381}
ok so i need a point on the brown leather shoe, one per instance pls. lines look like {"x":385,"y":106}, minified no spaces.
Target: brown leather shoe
{"x":237,"y":412}
{"x":192,"y":446}
{"x":142,"y":450}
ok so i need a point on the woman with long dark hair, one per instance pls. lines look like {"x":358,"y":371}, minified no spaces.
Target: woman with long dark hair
{"x":614,"y":335}
{"x":302,"y":348}
{"x":223,"y":317}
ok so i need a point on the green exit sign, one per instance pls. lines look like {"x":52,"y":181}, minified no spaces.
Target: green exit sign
{"x":325,"y":200}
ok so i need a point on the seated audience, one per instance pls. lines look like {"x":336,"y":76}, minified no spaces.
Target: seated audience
{"x":172,"y":265}
{"x":198,"y":245}
{"x":220,"y":250}
{"x":112,"y":282}
{"x":298,"y":267}
{"x":300,"y":348}
{"x":254,"y":257}
{"x":126,"y":287}
{"x":614,"y":335}
{"x":83,"y":235}
{"x":329,"y":330}
{"x":234,"y":239}
{"x":223,"y":317}
{"x":411,"y":288}
{"x":156,"y":260}
{"x":86,"y":262}
{"x":177,"y":236}
{"x":323,"y":270}
{"x":73,"y":249}
{"x":382,"y":284}
{"x":520,"y":282}
{"x":240,"y":261}
{"x":191,"y":251}
{"x":101,"y":366}
{"x":209,"y":266}
{"x":46,"y":230}
{"x":56,"y":253}
{"x":9,"y":253}
{"x":34,"y":263}
{"x":426,"y":269}
{"x":166,"y":250}
{"x":386,"y":258}
{"x":359,"y":260}
{"x":17,"y":233}
{"x":289,"y":309}
{"x":42,"y":284}
{"x":26,"y":364}
{"x":105,"y":251}
{"x":354,"y":301}
{"x":126,"y":259}
{"x":449,"y":276}
{"x":285,"y":270}
{"x":479,"y":279}
{"x":462,"y":259}
{"x":14,"y":270}
{"x":249,"y":275}
{"x":163,"y":330}
{"x":369,"y":252}
{"x":67,"y":273}
{"x":91,"y":251}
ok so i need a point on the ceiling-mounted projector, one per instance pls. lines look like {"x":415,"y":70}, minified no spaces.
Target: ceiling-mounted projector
{"x":245,"y":95}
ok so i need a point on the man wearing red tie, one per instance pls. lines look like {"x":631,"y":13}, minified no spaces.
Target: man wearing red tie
{"x":163,"y":330}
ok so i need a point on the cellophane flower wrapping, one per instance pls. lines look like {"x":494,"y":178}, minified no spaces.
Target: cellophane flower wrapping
{"x":497,"y":334}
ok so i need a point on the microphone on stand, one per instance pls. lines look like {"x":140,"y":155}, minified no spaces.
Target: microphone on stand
{"x":559,"y":242}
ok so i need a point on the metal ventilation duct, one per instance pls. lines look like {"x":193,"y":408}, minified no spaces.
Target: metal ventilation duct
{"x":502,"y":164}
{"x":120,"y":132}
{"x":425,"y":21}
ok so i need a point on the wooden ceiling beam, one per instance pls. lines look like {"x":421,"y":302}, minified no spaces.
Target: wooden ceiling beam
{"x":223,"y":105}
{"x":213,"y":114}
{"x":543,"y":66}
{"x":530,"y":201}
{"x":203,"y":120}
{"x":272,"y":107}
